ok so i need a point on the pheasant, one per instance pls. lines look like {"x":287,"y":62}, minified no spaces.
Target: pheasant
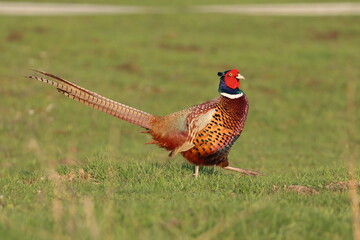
{"x":203,"y":134}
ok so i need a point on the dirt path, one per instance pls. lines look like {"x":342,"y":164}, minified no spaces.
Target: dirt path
{"x":311,"y":9}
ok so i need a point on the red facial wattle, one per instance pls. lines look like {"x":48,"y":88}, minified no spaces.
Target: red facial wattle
{"x":230,"y":79}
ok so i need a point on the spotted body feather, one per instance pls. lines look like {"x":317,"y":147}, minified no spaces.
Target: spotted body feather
{"x":213,"y":143}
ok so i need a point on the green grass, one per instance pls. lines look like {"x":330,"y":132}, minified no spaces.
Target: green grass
{"x":68,"y":171}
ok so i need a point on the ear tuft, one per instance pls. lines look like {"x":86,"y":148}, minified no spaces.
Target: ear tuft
{"x":220,"y":74}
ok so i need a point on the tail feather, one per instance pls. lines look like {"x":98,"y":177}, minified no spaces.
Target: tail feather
{"x":96,"y":101}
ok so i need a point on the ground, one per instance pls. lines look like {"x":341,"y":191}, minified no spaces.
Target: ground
{"x":68,"y":171}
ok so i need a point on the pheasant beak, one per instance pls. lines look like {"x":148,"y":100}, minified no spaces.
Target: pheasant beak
{"x":240,"y":77}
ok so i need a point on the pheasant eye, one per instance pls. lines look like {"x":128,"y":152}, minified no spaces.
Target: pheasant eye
{"x":230,"y":74}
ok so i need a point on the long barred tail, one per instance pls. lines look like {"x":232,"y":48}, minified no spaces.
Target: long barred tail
{"x":98,"y":102}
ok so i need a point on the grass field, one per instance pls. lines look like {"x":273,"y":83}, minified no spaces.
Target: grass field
{"x":70,"y":172}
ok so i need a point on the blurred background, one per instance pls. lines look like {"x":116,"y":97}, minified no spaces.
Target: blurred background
{"x":302,"y":72}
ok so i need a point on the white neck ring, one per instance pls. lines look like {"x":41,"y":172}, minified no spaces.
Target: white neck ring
{"x":232,"y":96}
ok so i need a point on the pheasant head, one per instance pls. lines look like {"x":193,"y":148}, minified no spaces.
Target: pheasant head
{"x":229,"y":85}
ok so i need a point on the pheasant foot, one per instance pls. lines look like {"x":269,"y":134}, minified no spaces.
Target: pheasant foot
{"x":243,"y":171}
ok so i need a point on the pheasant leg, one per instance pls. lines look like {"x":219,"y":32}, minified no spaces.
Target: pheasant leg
{"x":243,"y":171}
{"x":196,"y":174}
